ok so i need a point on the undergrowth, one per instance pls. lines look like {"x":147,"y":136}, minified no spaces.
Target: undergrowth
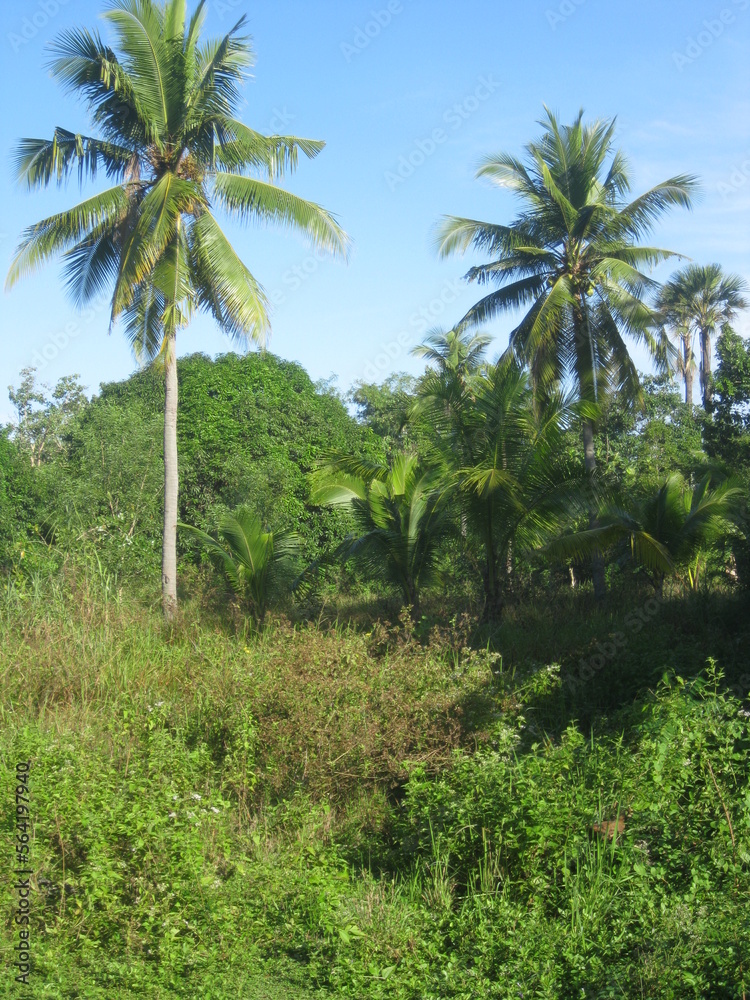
{"x":382,"y":811}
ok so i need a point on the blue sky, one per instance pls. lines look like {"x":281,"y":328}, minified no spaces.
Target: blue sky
{"x":375,"y":80}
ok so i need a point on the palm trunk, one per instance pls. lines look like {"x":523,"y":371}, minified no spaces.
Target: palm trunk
{"x":688,"y":359}
{"x":169,"y":542}
{"x":589,"y":457}
{"x":587,"y":378}
{"x":706,"y":389}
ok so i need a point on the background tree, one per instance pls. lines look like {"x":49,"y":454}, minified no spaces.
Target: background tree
{"x":502,"y":459}
{"x":699,"y":300}
{"x":459,"y":352}
{"x":573,"y":261}
{"x":165,"y":106}
{"x":43,"y":414}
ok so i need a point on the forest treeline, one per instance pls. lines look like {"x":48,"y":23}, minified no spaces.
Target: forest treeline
{"x":455,"y":482}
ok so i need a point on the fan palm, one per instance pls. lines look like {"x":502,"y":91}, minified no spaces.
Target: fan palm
{"x":399,"y":515}
{"x":663,"y":530}
{"x":572,"y":261}
{"x":699,"y":300}
{"x":248,"y":554}
{"x":164,"y":104}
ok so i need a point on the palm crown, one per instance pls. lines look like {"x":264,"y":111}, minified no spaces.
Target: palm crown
{"x":699,"y":299}
{"x":571,"y":258}
{"x":164,"y":106}
{"x":572,"y":262}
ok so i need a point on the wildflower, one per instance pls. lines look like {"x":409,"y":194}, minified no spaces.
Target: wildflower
{"x":196,"y":796}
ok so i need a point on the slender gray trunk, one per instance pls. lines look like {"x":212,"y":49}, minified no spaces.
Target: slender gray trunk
{"x":169,"y":542}
{"x":589,"y":456}
{"x":706,"y":370}
{"x":688,"y":358}
{"x":688,"y":362}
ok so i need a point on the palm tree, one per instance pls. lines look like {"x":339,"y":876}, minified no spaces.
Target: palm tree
{"x":399,"y":515}
{"x":572,"y":261}
{"x":248,"y":555}
{"x":455,"y":351}
{"x":699,"y":300}
{"x":663,"y":530}
{"x":444,"y":393}
{"x":164,"y":105}
{"x":502,"y":457}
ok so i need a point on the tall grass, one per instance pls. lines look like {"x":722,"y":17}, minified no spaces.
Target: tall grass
{"x":375,"y":810}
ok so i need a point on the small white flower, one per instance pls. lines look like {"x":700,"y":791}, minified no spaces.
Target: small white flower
{"x":191,"y":815}
{"x":196,"y":796}
{"x":215,"y":810}
{"x":744,"y":713}
{"x":173,"y":815}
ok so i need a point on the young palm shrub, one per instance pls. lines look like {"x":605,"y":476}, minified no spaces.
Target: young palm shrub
{"x":501,"y":456}
{"x":164,"y":101}
{"x":401,"y":518}
{"x":664,"y":531}
{"x":249,"y":556}
{"x":572,"y":260}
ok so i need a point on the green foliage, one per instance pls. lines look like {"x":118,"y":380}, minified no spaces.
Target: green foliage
{"x":249,"y":429}
{"x":664,"y":530}
{"x":19,"y":496}
{"x":640,"y":446}
{"x":399,"y":514}
{"x":248,"y":555}
{"x":216,"y":819}
{"x":385,"y":408}
{"x":728,"y":433}
{"x":44,"y":415}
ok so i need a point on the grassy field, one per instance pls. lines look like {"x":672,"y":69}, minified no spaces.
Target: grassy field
{"x":364,"y":808}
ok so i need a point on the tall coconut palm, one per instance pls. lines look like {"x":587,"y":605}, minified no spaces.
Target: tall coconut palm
{"x":163,"y":103}
{"x":572,"y":261}
{"x":698,"y":300}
